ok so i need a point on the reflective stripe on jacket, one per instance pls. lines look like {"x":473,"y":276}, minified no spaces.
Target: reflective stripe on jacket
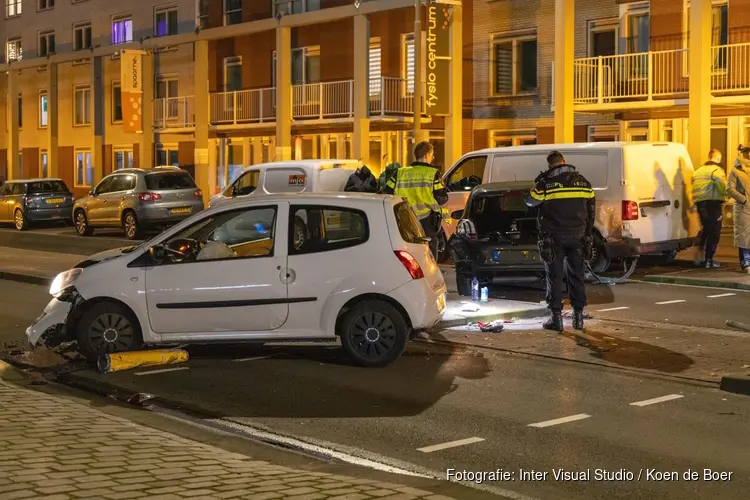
{"x":417,"y":184}
{"x":709,"y":183}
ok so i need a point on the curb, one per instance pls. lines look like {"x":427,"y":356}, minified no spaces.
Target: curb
{"x":26,"y":278}
{"x":736,"y":385}
{"x":534,"y":311}
{"x":678,"y":280}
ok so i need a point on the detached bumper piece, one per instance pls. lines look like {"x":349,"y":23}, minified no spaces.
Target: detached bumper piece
{"x":121,"y":361}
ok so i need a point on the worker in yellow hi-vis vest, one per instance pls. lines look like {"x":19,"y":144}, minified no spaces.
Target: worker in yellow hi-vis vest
{"x":709,"y":195}
{"x":421,"y":185}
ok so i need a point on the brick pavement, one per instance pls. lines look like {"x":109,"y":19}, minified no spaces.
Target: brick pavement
{"x":55,"y":448}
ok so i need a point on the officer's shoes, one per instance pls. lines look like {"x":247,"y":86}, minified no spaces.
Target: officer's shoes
{"x":578,"y":320}
{"x":554,"y":323}
{"x":711,"y":264}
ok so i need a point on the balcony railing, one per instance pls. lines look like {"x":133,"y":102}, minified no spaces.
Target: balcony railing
{"x":657,"y":75}
{"x":393,"y":97}
{"x":174,"y":112}
{"x":243,"y":106}
{"x":323,"y":100}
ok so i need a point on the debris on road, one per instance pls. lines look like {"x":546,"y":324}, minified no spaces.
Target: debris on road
{"x":738,"y":325}
{"x":492,"y":327}
{"x":128,"y":360}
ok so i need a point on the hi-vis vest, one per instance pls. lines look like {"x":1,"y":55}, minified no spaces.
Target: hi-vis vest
{"x":416,"y":184}
{"x":709,"y":183}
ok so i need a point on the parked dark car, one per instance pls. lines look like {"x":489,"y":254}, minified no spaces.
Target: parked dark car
{"x":28,"y":201}
{"x":496,"y":238}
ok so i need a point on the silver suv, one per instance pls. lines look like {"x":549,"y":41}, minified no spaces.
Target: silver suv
{"x":136,"y":199}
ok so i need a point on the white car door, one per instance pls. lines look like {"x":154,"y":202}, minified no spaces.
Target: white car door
{"x":459,"y":182}
{"x":236,"y":284}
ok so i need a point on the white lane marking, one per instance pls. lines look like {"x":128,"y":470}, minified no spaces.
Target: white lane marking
{"x":558,"y":421}
{"x":669,"y":302}
{"x":646,"y":402}
{"x":240,"y":360}
{"x":611,"y":309}
{"x":450,"y":444}
{"x":163,"y":370}
{"x":720,"y":295}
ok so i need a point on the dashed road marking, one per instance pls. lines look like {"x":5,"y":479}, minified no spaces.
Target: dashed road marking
{"x":720,"y":295}
{"x":612,"y":309}
{"x":662,"y":399}
{"x":163,"y":370}
{"x":450,"y":444}
{"x":669,"y":302}
{"x":558,"y":421}
{"x":256,"y":358}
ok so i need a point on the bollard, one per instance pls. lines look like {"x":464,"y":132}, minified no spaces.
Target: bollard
{"x":120,"y":361}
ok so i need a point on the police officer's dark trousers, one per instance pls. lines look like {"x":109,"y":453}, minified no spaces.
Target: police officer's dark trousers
{"x":710,"y":214}
{"x":431,"y":226}
{"x":572,"y":250}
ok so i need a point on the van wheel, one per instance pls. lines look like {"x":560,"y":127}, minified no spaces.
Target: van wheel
{"x":598,"y":263}
{"x":130,"y":225}
{"x":105,"y":328}
{"x":463,"y":284}
{"x":373,"y":333}
{"x":82,"y":224}
{"x":19,"y":219}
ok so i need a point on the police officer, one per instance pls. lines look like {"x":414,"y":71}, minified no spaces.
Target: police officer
{"x":709,"y":194}
{"x":421,"y":185}
{"x":566,"y":210}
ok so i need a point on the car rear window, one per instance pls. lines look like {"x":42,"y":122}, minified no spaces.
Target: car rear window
{"x":42,"y":187}
{"x":167,"y":181}
{"x":408,"y":224}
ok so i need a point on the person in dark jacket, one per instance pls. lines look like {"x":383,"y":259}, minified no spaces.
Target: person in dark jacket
{"x":362,"y":181}
{"x":387,"y":174}
{"x":566,"y":213}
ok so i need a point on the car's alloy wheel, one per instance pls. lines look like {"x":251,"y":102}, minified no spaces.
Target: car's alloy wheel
{"x":373,"y":333}
{"x":82,"y":224}
{"x":130,"y":225}
{"x":107,"y":327}
{"x":19,"y":220}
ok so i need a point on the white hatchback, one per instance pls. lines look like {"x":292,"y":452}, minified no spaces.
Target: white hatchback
{"x":274,"y":268}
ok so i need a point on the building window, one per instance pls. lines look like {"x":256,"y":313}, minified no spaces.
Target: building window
{"x":167,"y":89}
{"x":46,"y":4}
{"x":603,"y":133}
{"x":637,"y":131}
{"x":408,"y":66}
{"x":166,"y":22}
{"x":43,"y":117}
{"x":375,"y":67}
{"x":603,"y":37}
{"x":232,"y":12}
{"x":122,"y":30}
{"x":167,"y":155}
{"x":305,"y":66}
{"x":116,"y":103}
{"x":13,"y":8}
{"x":82,"y":36}
{"x":506,"y":139}
{"x":515,"y":65}
{"x":13,"y":50}
{"x":84,"y":169}
{"x":295,"y":6}
{"x":20,"y":111}
{"x":203,"y":13}
{"x":82,"y":100}
{"x":719,"y":34}
{"x":43,"y":163}
{"x":122,"y":158}
{"x":747,"y":132}
{"x":638,"y":30}
{"x":46,"y":43}
{"x":232,"y":74}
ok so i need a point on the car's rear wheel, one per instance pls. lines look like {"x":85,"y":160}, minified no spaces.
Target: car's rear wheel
{"x":19,"y":219}
{"x":130,"y":225}
{"x":373,"y":333}
{"x":107,"y":327}
{"x":82,"y":224}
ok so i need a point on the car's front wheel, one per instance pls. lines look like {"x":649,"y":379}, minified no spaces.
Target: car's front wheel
{"x":373,"y":333}
{"x":19,"y":219}
{"x":107,"y":327}
{"x":82,"y":223}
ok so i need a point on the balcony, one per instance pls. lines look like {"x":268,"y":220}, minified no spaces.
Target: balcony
{"x":393,"y":98}
{"x":657,"y":78}
{"x":174,"y":113}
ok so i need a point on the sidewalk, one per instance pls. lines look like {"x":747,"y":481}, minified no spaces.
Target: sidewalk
{"x":57,"y":448}
{"x":728,"y":276}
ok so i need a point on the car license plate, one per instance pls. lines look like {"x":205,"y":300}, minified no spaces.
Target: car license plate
{"x":55,"y":201}
{"x":185,"y":210}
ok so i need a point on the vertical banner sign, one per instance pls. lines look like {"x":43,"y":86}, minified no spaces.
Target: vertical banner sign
{"x":131,"y":89}
{"x":438,"y":59}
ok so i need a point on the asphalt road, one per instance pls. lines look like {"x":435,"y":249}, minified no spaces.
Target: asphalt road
{"x":436,"y":395}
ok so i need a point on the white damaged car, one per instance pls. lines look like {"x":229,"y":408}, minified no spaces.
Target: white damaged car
{"x":276,"y":268}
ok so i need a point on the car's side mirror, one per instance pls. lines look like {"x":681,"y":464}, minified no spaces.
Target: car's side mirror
{"x":457,"y":214}
{"x":92,"y":192}
{"x":157,"y":253}
{"x":233,"y":190}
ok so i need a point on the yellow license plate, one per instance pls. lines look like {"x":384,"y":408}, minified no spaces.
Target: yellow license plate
{"x":53,"y":201}
{"x":180,"y":210}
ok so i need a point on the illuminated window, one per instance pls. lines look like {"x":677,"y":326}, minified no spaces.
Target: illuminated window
{"x":43,"y":163}
{"x":13,"y":8}
{"x":122,"y":30}
{"x":84,"y":172}
{"x":375,"y":67}
{"x":166,"y":22}
{"x":13,"y":50}
{"x":122,"y":158}
{"x":43,"y":117}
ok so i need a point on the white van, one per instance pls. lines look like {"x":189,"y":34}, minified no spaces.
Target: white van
{"x":642,"y":188}
{"x":294,"y":176}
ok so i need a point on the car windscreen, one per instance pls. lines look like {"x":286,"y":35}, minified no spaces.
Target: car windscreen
{"x":408,"y":224}
{"x":167,"y":181}
{"x":42,"y":187}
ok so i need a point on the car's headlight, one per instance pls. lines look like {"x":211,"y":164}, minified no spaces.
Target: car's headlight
{"x":63,"y":281}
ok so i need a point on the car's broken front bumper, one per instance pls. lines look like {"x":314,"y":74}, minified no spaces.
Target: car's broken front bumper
{"x":51,"y":323}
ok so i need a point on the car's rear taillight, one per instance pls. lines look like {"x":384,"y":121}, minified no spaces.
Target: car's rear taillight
{"x":410,"y":263}
{"x":149,"y":196}
{"x":629,"y":210}
{"x":198,"y":193}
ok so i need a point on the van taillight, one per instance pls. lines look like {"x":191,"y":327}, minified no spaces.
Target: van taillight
{"x":410,"y":263}
{"x":629,"y":210}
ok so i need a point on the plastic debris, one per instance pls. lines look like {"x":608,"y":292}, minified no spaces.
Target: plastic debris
{"x":116,"y":362}
{"x":140,"y":398}
{"x":494,"y":327}
{"x":469,"y":307}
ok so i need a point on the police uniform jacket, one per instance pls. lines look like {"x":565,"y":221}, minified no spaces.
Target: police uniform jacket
{"x":566,"y":203}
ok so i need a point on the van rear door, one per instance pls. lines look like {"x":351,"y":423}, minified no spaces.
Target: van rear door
{"x":468,"y":173}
